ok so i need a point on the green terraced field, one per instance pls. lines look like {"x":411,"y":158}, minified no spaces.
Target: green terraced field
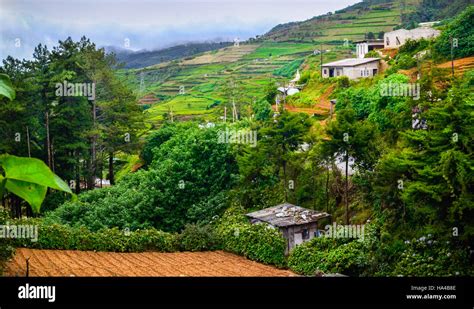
{"x":353,"y":24}
{"x":205,"y":78}
{"x":204,"y":83}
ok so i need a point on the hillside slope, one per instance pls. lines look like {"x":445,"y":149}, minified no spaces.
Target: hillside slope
{"x":351,"y":23}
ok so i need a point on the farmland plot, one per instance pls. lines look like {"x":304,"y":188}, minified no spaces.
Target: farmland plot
{"x":67,"y":263}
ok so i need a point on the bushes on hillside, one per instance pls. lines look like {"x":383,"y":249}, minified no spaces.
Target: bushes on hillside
{"x":375,"y":256}
{"x":329,"y":255}
{"x":258,"y":242}
{"x":462,"y":29}
{"x":427,"y":256}
{"x":56,"y":236}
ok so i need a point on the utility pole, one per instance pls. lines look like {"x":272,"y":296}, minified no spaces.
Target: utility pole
{"x":347,"y":189}
{"x":321,"y":56}
{"x":451,"y":39}
{"x":225,"y":113}
{"x":234,"y":111}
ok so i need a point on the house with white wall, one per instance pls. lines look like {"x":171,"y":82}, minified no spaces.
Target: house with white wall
{"x":363,"y":47}
{"x":353,"y":68}
{"x":397,"y":38}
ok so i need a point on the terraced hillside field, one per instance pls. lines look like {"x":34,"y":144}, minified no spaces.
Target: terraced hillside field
{"x":352,"y":23}
{"x":66,"y":263}
{"x":205,"y":80}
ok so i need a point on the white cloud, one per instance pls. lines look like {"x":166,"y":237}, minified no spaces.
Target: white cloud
{"x":148,"y":24}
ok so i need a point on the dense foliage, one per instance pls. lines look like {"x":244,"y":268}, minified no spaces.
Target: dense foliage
{"x":56,"y":236}
{"x":259,"y":242}
{"x":185,"y":183}
{"x":377,"y":254}
{"x":462,"y":29}
{"x":6,"y":245}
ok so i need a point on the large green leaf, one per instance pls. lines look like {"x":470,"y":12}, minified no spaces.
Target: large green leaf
{"x":31,"y":170}
{"x":6,"y":87}
{"x":29,"y":179}
{"x":33,"y":193}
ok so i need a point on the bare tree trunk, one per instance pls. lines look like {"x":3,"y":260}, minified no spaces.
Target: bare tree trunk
{"x":52,"y":157}
{"x":327,"y":188}
{"x":48,"y":140}
{"x":346,"y":189}
{"x":28,"y":140}
{"x":93,"y":162}
{"x":78,"y":176}
{"x":111,"y":168}
{"x":284,"y":181}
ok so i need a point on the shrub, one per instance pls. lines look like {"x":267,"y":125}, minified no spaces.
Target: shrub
{"x":372,"y":54}
{"x":329,"y":256}
{"x":405,"y":62}
{"x":258,"y":242}
{"x":462,"y":29}
{"x":305,"y":77}
{"x":64,"y":237}
{"x":343,"y":82}
{"x":198,"y":238}
{"x":334,"y":255}
{"x":427,"y":256}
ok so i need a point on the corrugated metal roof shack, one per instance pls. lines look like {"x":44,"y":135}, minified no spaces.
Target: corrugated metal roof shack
{"x":297,"y":224}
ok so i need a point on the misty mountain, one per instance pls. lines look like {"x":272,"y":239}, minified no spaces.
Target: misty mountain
{"x":141,"y":59}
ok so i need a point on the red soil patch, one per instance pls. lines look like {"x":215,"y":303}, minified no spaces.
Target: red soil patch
{"x":66,"y":263}
{"x":392,"y":52}
{"x":322,"y":105}
{"x":460,"y":65}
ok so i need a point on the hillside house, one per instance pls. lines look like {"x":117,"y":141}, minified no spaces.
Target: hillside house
{"x":397,"y":38}
{"x":363,"y":47}
{"x":297,"y":224}
{"x":353,"y":68}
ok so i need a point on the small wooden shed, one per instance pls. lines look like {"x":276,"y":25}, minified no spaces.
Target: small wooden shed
{"x":297,"y":224}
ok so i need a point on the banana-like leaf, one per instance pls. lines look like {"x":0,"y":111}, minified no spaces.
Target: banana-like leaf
{"x":6,"y":87}
{"x":29,"y":178}
{"x":31,"y":170}
{"x":33,"y":193}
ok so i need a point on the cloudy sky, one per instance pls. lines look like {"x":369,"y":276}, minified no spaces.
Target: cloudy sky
{"x":146,"y":24}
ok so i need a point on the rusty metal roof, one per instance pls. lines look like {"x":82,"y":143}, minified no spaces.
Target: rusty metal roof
{"x":287,"y":214}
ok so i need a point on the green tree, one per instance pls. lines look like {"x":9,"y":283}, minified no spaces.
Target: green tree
{"x":282,"y":137}
{"x":349,"y":138}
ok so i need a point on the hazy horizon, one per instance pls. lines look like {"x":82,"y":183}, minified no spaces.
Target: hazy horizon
{"x":146,"y":24}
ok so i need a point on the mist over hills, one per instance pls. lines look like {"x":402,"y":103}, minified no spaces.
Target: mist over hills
{"x":143,"y":58}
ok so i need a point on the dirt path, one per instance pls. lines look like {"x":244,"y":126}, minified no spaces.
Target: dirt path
{"x":69,"y":263}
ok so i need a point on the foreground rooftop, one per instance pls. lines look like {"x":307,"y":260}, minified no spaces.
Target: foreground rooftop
{"x":287,"y":214}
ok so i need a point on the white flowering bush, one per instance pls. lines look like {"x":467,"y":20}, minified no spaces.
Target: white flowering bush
{"x":429,"y":256}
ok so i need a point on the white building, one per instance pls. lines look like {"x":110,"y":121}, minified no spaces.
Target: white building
{"x":363,"y":47}
{"x":397,"y":38}
{"x":353,"y":68}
